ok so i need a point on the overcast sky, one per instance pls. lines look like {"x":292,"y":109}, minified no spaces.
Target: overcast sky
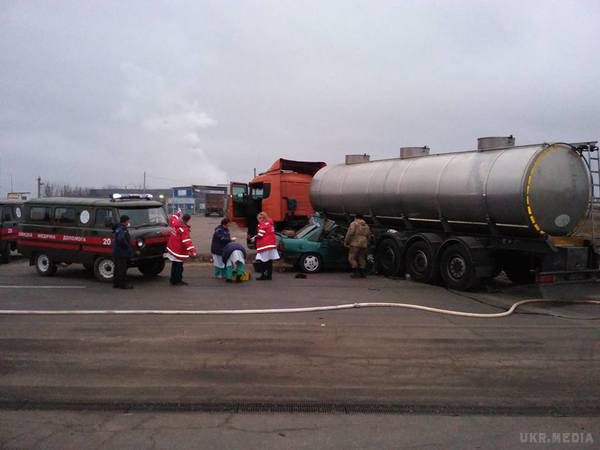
{"x":97,"y":92}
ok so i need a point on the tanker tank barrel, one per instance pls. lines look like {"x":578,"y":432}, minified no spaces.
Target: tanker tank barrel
{"x":531,"y":190}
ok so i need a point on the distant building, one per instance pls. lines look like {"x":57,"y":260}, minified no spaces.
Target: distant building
{"x":195,"y":199}
{"x":23,"y":196}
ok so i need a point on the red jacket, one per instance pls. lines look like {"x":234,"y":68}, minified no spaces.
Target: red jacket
{"x":180,"y":243}
{"x":175,"y":220}
{"x":265,"y":238}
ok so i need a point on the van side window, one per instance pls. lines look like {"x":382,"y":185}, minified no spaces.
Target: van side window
{"x":104,"y":218}
{"x":64,"y":216}
{"x":7,"y":215}
{"x":39,"y":214}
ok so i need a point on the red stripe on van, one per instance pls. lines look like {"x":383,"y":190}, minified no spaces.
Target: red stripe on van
{"x":45,"y":244}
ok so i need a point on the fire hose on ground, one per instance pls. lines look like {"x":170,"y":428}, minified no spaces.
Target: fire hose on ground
{"x":309,"y":309}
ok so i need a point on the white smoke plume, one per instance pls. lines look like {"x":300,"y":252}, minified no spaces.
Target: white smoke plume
{"x":169,"y":127}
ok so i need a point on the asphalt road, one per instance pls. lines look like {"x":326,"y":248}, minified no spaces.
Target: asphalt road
{"x":361,"y":361}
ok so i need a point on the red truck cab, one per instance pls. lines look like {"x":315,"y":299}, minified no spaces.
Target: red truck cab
{"x":283,"y":192}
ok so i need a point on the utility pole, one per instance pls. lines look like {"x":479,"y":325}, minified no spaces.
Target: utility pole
{"x":39,"y":185}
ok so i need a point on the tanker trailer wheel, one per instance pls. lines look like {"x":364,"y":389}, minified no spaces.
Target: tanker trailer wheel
{"x":457,"y":268}
{"x":420,"y":263}
{"x":310,"y":263}
{"x":388,"y":257}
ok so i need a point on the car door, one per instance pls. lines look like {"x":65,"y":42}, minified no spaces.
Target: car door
{"x":333,"y":249}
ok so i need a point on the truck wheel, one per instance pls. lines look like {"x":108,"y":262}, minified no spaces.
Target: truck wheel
{"x":44,"y":265}
{"x":152,"y":268}
{"x":457,"y":268}
{"x":104,"y":268}
{"x":388,"y":257}
{"x":420,"y":264}
{"x":310,"y":263}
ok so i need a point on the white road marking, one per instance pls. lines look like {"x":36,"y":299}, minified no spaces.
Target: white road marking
{"x":16,"y":286}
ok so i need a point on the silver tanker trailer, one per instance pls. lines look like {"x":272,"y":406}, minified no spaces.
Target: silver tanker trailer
{"x":466,"y":216}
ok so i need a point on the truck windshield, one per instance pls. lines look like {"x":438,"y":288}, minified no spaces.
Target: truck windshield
{"x":139,"y":217}
{"x":260,"y":191}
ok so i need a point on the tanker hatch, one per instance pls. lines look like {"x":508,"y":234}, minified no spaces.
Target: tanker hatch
{"x":413,"y":152}
{"x":357,"y":159}
{"x":493,"y":142}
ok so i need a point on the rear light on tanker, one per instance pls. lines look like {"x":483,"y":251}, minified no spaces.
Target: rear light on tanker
{"x":545,"y":279}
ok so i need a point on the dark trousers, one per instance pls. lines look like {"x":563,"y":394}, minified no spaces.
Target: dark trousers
{"x":120,"y":273}
{"x":265,"y":269}
{"x":176,"y":272}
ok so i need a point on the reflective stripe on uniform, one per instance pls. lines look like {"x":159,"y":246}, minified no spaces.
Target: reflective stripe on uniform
{"x":265,"y":247}
{"x":177,"y":254}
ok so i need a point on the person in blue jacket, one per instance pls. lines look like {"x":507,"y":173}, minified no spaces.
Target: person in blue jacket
{"x":122,"y":252}
{"x":221,"y":237}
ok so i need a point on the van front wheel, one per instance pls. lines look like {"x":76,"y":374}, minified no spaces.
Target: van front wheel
{"x":44,"y":265}
{"x":104,"y":269}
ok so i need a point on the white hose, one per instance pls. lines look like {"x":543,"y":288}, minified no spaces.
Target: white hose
{"x":84,"y":312}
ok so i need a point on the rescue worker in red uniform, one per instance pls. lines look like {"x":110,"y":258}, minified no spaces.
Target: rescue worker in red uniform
{"x":175,"y":219}
{"x":266,"y":247}
{"x":179,"y":249}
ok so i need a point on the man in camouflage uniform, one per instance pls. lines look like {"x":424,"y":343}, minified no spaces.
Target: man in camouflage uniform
{"x":357,"y":240}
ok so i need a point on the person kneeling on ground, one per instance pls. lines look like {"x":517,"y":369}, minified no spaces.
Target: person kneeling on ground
{"x":122,"y":252}
{"x":220,"y":239}
{"x":234,"y":257}
{"x":179,"y":249}
{"x":357,"y":240}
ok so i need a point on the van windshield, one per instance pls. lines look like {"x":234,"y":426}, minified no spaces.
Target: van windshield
{"x":140,"y":217}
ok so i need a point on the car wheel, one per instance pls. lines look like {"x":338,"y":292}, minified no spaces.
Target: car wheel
{"x":104,"y":268}
{"x":44,"y":265}
{"x":152,"y":268}
{"x":310,"y":263}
